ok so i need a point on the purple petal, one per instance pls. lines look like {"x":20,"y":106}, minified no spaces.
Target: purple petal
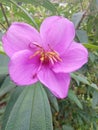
{"x":57,"y":83}
{"x":23,"y":69}
{"x":73,"y":59}
{"x":57,"y":32}
{"x":18,"y":37}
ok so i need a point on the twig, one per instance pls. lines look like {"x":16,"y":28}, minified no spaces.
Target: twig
{"x":3,"y":26}
{"x":83,"y":15}
{"x":4,"y":14}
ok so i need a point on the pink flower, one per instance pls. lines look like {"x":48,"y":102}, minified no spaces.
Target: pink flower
{"x":47,"y":56}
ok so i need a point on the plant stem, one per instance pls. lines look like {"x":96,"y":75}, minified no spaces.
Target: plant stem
{"x":4,"y":14}
{"x":3,"y":26}
{"x":20,"y":7}
{"x":84,"y":15}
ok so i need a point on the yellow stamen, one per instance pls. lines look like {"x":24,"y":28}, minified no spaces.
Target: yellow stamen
{"x":35,"y":54}
{"x":55,"y":56}
{"x":45,"y":57}
{"x":42,"y":58}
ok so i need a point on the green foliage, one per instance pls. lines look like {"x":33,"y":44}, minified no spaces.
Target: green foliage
{"x":29,"y":110}
{"x":73,"y":97}
{"x":77,"y":17}
{"x":3,"y":66}
{"x":95,"y":99}
{"x":31,"y":107}
{"x":6,"y":86}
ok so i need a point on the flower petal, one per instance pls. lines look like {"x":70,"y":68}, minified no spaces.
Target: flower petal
{"x":18,"y":37}
{"x":22,"y":68}
{"x":73,"y":59}
{"x":57,"y":83}
{"x":57,"y":32}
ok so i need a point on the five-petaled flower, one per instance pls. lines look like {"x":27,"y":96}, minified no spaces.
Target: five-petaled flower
{"x":47,"y":56}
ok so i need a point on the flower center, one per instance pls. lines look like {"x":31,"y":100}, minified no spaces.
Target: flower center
{"x":50,"y":56}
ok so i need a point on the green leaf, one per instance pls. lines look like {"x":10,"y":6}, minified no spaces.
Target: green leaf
{"x":3,"y":70}
{"x":67,"y":127}
{"x":95,"y":99}
{"x":3,"y":64}
{"x":80,"y":78}
{"x":82,"y":36}
{"x":6,"y":86}
{"x":3,"y":60}
{"x":84,"y":80}
{"x":52,"y":100}
{"x":90,"y":46}
{"x":94,"y":86}
{"x":47,"y":4}
{"x":2,"y":77}
{"x":76,"y":18}
{"x":73,"y":97}
{"x":31,"y":111}
{"x":92,"y":57}
{"x":10,"y":105}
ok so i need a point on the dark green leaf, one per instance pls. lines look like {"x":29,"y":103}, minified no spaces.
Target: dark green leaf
{"x":84,"y":80}
{"x":6,"y":86}
{"x":10,"y":105}
{"x":82,"y":36}
{"x":94,"y":86}
{"x":3,"y":60}
{"x":52,"y":100}
{"x":80,"y":78}
{"x":67,"y":127}
{"x":76,"y":18}
{"x":95,"y":99}
{"x":72,"y":96}
{"x":3,"y":70}
{"x":31,"y":111}
{"x":3,"y":64}
{"x":92,"y":57}
{"x":47,"y":4}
